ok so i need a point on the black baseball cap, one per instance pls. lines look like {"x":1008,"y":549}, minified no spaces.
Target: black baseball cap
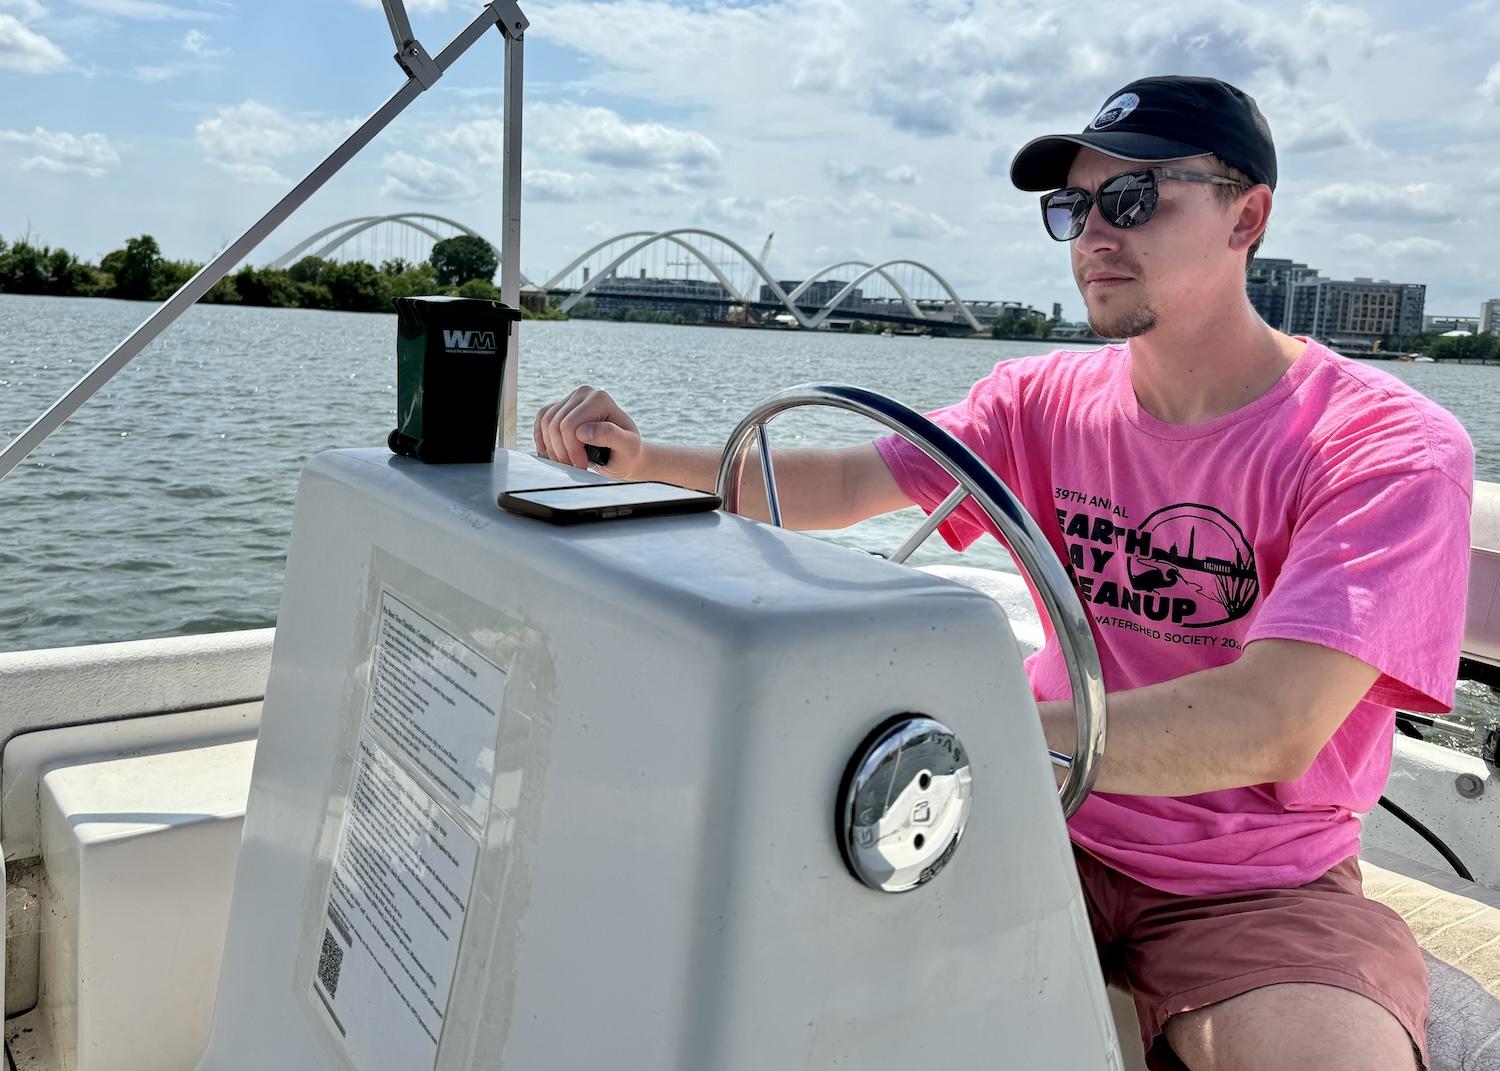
{"x":1161,"y":118}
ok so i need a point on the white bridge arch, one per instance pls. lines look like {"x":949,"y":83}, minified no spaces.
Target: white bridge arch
{"x":344,"y":231}
{"x":648,"y":238}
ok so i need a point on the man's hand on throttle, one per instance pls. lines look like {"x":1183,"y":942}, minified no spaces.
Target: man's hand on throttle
{"x":589,"y":417}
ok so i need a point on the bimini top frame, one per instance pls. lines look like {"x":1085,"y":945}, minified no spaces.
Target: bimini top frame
{"x":422,"y":72}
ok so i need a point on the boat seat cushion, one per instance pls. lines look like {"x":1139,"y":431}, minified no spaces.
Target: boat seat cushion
{"x":1457,"y":924}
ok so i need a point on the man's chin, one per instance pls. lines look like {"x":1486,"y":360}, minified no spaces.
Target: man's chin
{"x":1123,"y":323}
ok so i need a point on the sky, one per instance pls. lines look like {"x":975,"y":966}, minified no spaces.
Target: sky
{"x":853,"y":129}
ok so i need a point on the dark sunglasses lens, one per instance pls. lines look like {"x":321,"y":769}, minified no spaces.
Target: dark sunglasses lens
{"x":1064,"y":212}
{"x":1128,"y":200}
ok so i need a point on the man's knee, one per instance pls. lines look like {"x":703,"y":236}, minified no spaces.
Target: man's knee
{"x":1292,"y":1025}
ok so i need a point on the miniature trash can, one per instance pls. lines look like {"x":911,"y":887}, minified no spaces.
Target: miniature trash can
{"x":450,"y":362}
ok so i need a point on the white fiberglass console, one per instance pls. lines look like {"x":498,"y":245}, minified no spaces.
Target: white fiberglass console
{"x":545,"y":798}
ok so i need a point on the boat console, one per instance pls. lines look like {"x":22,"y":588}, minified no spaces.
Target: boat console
{"x":542,"y":797}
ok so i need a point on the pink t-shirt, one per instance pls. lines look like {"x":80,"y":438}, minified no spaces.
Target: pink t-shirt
{"x":1334,"y":509}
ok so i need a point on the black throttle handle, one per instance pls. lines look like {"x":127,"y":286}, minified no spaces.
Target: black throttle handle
{"x":597,"y":455}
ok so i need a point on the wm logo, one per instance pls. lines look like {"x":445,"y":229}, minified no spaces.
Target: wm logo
{"x":469,"y":341}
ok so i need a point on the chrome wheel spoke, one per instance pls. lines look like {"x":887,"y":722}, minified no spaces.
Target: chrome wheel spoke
{"x":768,"y":473}
{"x":930,"y":525}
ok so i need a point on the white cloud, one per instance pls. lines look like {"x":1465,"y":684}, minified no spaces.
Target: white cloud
{"x":1303,"y":126}
{"x":573,"y":136}
{"x":416,"y":179}
{"x":148,"y":10}
{"x":863,"y":211}
{"x":558,"y":186}
{"x":1421,"y":202}
{"x":29,"y":10}
{"x":197,"y":43}
{"x":481,"y":140}
{"x":732,"y":212}
{"x":1416,"y":247}
{"x":412,"y":6}
{"x":971,"y":62}
{"x":202,"y":56}
{"x":259,"y":174}
{"x":246,"y":139}
{"x":1489,"y":89}
{"x":844,"y":173}
{"x":26,"y":50}
{"x":601,"y":136}
{"x":58,"y":151}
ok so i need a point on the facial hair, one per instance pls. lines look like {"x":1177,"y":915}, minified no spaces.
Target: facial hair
{"x":1123,"y":323}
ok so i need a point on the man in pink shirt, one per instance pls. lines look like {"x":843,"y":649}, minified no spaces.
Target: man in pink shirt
{"x":1273,"y":543}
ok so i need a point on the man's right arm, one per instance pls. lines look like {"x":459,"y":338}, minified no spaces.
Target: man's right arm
{"x":817,"y":489}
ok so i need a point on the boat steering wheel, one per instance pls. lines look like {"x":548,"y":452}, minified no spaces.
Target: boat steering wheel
{"x":975,"y":480}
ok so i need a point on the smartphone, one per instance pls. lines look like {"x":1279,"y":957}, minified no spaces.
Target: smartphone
{"x":578,"y":503}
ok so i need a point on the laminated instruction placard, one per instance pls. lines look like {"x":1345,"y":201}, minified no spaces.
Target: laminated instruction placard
{"x":407,"y":849}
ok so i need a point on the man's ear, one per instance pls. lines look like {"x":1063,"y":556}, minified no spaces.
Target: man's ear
{"x":1254,"y":214}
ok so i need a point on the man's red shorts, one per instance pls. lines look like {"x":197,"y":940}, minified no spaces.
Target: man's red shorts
{"x":1177,"y":953}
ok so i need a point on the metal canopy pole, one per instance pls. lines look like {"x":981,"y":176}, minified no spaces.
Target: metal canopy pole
{"x":503,"y":14}
{"x":510,"y":232}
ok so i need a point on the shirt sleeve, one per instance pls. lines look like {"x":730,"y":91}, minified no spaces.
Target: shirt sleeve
{"x":1379,"y":570}
{"x":982,"y":423}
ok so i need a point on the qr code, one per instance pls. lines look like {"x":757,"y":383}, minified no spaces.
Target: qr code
{"x":330,"y":962}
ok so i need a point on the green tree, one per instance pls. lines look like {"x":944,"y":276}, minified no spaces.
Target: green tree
{"x":457,"y":260}
{"x":1012,"y":324}
{"x":479,"y":288}
{"x":357,"y":286}
{"x":272,"y":287}
{"x":1465,"y":348}
{"x":26,"y":268}
{"x":170,"y":275}
{"x":314,"y":296}
{"x":308,"y":270}
{"x":134,"y":269}
{"x":69,"y":276}
{"x":413,"y":281}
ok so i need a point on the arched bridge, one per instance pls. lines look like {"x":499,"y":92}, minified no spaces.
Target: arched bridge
{"x":809,"y":303}
{"x":420,"y":230}
{"x":687,"y":266}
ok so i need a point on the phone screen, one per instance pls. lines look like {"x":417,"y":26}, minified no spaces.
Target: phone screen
{"x":608,"y":495}
{"x":606,"y":501}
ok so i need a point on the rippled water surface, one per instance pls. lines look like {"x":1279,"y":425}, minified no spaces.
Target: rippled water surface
{"x":163,"y":506}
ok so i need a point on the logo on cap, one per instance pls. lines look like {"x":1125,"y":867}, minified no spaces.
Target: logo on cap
{"x":1115,"y":110}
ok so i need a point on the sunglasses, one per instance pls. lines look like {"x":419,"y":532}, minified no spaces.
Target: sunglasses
{"x":1126,"y":200}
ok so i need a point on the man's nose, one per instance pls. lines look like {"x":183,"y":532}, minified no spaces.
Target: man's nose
{"x":1097,"y":236}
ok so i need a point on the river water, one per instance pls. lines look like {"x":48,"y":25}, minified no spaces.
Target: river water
{"x":162,"y":508}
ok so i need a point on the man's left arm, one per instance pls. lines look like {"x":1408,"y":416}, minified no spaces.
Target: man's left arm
{"x":1262,"y":718}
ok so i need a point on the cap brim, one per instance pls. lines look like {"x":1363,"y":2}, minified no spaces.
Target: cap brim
{"x":1043,"y":163}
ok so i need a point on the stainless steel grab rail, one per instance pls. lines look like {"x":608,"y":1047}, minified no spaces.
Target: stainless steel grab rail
{"x":1027,"y":542}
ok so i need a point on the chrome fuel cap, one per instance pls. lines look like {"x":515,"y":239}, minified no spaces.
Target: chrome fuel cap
{"x":903,"y":803}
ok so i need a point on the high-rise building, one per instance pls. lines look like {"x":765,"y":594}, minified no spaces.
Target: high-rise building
{"x":1356,"y":313}
{"x":1489,"y":317}
{"x":1269,"y":287}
